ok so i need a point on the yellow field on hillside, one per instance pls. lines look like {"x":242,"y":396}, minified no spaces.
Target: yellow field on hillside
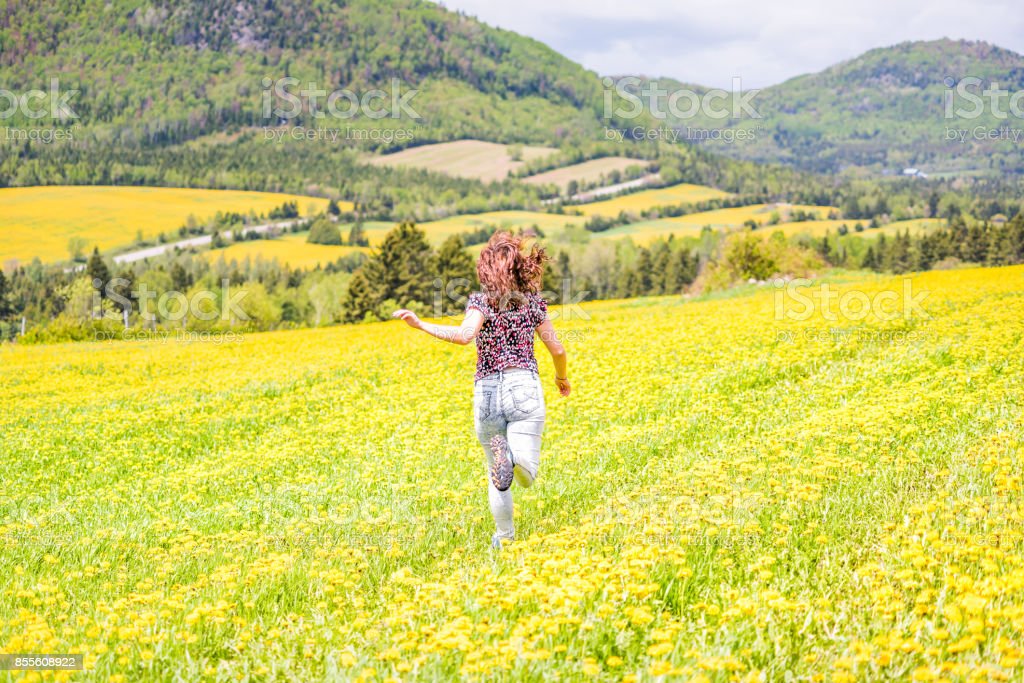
{"x":485,"y":161}
{"x":39,"y":221}
{"x":647,"y":199}
{"x":915,"y":225}
{"x":719,"y":219}
{"x":292,"y":250}
{"x":585,"y":172}
{"x":821,"y":228}
{"x":438,"y":230}
{"x":812,"y":228}
{"x":737,"y":490}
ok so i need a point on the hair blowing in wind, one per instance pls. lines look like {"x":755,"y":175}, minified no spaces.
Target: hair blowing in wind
{"x":507,"y":270}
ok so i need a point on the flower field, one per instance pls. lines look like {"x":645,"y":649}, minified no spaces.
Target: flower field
{"x":39,"y":221}
{"x":728,"y":495}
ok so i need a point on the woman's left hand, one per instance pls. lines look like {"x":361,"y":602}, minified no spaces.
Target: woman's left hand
{"x":410,"y":318}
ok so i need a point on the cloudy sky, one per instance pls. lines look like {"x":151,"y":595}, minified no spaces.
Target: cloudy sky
{"x":763,"y":43}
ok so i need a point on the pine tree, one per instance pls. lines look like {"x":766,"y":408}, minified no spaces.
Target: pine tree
{"x":6,"y":309}
{"x":401,"y":270}
{"x":180,"y":280}
{"x":899,"y":254}
{"x":360,"y":298}
{"x":333,"y":208}
{"x":357,"y":236}
{"x":97,"y":271}
{"x":122,"y":288}
{"x":644,"y":273}
{"x":682,"y":271}
{"x":881,"y":253}
{"x":456,"y":271}
{"x":975,"y":247}
{"x":661,"y":254}
{"x":869,"y":262}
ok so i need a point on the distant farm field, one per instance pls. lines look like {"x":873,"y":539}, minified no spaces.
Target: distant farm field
{"x":915,"y":225}
{"x":812,"y":228}
{"x":585,"y":172}
{"x":647,"y":199}
{"x":719,"y":219}
{"x":824,"y":227}
{"x":291,"y":250}
{"x":485,"y":161}
{"x":39,"y":221}
{"x":507,"y":220}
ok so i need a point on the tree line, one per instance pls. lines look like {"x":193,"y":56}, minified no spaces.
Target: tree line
{"x":406,"y":271}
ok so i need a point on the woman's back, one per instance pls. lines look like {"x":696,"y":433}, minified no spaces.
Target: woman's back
{"x":505,"y":339}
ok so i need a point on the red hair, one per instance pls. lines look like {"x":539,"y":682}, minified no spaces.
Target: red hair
{"x":507,"y":271}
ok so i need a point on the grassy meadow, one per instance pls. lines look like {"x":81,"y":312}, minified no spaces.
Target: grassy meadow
{"x":39,"y":221}
{"x":648,"y":199}
{"x":484,"y":161}
{"x":590,"y":171}
{"x":728,"y":495}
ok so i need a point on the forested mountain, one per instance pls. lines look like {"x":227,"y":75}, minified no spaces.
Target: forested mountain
{"x":884,"y":110}
{"x":164,"y":72}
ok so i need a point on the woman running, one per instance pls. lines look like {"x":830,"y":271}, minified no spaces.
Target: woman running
{"x":508,"y":401}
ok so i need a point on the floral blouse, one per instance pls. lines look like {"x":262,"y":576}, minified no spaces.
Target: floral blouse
{"x":506,"y":337}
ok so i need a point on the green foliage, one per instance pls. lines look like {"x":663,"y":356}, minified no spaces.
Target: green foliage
{"x":97,"y":271}
{"x":401,"y":270}
{"x":456,"y":273}
{"x":324,"y":231}
{"x":357,"y":235}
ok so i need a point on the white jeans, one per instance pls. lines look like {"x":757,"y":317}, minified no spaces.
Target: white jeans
{"x":511,"y":403}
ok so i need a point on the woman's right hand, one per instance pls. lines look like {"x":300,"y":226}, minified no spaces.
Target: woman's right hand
{"x":563,"y":386}
{"x":410,"y":318}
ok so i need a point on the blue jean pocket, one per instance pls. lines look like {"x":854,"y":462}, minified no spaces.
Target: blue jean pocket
{"x":526,"y":400}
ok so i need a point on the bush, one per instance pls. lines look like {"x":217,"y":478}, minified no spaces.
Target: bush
{"x":324,"y":231}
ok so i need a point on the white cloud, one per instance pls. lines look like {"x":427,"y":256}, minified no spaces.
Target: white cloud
{"x":762,"y":43}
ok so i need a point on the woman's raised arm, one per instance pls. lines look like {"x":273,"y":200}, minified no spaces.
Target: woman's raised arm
{"x":456,"y":334}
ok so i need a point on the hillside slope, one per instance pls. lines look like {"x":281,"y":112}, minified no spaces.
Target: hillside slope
{"x":885,"y":109}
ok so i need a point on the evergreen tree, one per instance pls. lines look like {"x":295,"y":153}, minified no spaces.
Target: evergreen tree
{"x":401,"y":270}
{"x":333,"y":208}
{"x":900,"y":260}
{"x":682,"y":271}
{"x":180,"y":280}
{"x":360,"y":298}
{"x":456,"y":272}
{"x":6,"y":309}
{"x":661,"y":255}
{"x":357,"y":235}
{"x":869,"y":262}
{"x":975,"y":247}
{"x":825,"y":248}
{"x":97,"y":271}
{"x":644,"y":273}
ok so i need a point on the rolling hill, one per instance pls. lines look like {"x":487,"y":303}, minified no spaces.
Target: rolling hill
{"x":883,"y":110}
